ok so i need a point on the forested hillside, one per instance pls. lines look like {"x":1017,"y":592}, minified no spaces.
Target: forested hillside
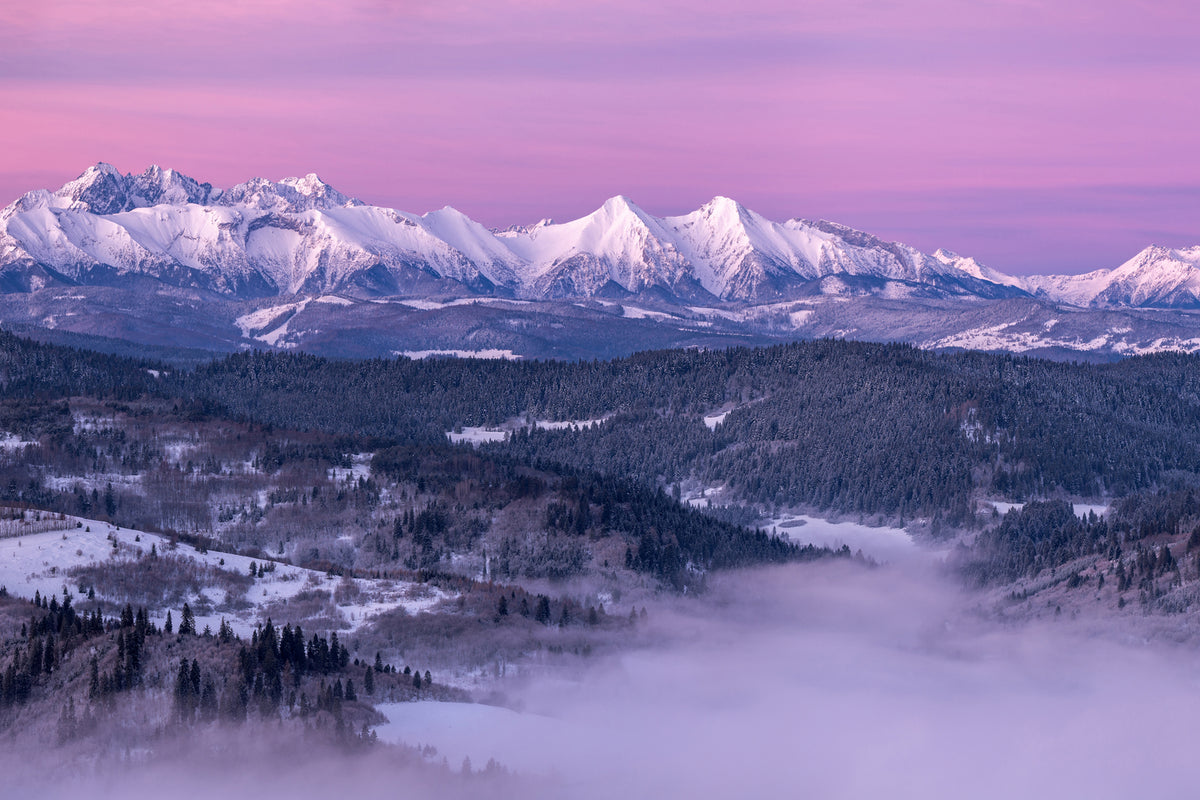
{"x":838,"y":425}
{"x":102,"y":437}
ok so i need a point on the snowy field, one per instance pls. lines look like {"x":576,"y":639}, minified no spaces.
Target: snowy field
{"x":41,"y":563}
{"x":886,"y":544}
{"x":713,"y":420}
{"x":634,"y":312}
{"x":1081,"y":509}
{"x":434,"y":305}
{"x":477,"y":435}
{"x":9,"y":441}
{"x":562,"y":425}
{"x":360,"y":468}
{"x":492,"y":354}
{"x":473,"y":435}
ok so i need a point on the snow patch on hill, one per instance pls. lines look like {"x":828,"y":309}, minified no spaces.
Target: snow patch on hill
{"x":42,"y":562}
{"x":490,"y":353}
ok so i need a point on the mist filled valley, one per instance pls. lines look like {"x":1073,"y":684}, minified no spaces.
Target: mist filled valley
{"x":853,"y":568}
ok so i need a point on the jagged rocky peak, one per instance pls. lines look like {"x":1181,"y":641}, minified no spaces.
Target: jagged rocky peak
{"x":101,"y":189}
{"x":851,"y":236}
{"x":158,"y":186}
{"x":721,"y":250}
{"x":288,"y":195}
{"x":523,"y":230}
{"x":320,"y":193}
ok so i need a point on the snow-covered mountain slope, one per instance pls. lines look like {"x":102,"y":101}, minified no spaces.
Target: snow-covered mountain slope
{"x":1157,"y":277}
{"x":261,"y":238}
{"x":255,"y":239}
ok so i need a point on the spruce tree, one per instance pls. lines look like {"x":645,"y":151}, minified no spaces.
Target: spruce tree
{"x":187,"y":622}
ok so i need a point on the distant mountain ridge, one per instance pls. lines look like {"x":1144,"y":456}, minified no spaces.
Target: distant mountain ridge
{"x":299,"y":235}
{"x":162,"y":262}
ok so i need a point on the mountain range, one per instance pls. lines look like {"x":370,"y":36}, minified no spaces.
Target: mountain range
{"x":107,"y":238}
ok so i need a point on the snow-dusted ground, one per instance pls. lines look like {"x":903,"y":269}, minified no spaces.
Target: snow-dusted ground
{"x":1081,"y":509}
{"x":562,"y":425}
{"x":41,"y":562}
{"x":634,"y":312}
{"x":254,"y":321}
{"x":478,"y":435}
{"x":9,"y":441}
{"x":492,"y":354}
{"x":1011,"y":336}
{"x":883,"y":543}
{"x":434,"y":305}
{"x":713,"y":420}
{"x":360,"y":468}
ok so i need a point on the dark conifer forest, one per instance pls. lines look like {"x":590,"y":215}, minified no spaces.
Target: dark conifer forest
{"x":843,"y":426}
{"x":573,"y":487}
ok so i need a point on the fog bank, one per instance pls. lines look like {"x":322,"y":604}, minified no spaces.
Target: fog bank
{"x":837,"y":681}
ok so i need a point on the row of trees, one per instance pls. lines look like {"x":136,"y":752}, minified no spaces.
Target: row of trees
{"x":1048,"y":534}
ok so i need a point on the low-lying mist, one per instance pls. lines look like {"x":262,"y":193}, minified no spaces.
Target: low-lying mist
{"x":819,"y":680}
{"x":837,"y":681}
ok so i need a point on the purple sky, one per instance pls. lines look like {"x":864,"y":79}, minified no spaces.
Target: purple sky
{"x":1036,"y":136}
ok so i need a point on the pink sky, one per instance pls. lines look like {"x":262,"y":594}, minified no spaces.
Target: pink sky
{"x":1036,"y":136}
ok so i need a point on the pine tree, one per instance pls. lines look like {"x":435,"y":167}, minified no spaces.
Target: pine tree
{"x":369,"y":681}
{"x":187,"y":622}
{"x":168,"y":626}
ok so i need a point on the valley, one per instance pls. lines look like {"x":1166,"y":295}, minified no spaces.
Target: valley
{"x":465,"y":547}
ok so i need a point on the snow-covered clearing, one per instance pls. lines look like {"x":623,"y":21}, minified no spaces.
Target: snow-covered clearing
{"x":1081,"y":509}
{"x":360,"y":467}
{"x":883,"y":543}
{"x":723,"y":313}
{"x":9,"y":441}
{"x":436,"y":305}
{"x":334,"y":300}
{"x":713,"y":420}
{"x":633,"y":312}
{"x":492,"y":354}
{"x":41,"y":562}
{"x":573,"y":424}
{"x":477,"y":435}
{"x":248,"y":324}
{"x":800,"y":318}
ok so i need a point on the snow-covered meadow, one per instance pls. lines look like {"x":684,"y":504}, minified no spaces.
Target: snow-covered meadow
{"x":43,"y":563}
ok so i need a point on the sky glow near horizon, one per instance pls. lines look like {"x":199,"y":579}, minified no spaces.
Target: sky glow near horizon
{"x":1035,"y":136}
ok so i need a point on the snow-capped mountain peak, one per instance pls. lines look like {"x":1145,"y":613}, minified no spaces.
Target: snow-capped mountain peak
{"x":299,"y":234}
{"x":1157,"y":277}
{"x":100,"y":189}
